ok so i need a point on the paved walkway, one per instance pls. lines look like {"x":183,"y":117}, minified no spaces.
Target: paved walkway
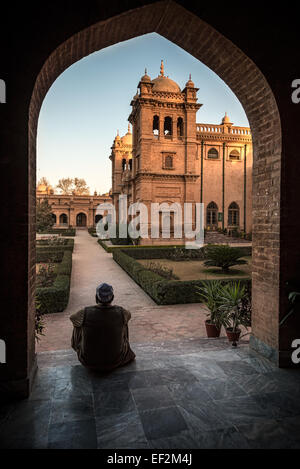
{"x":93,"y":265}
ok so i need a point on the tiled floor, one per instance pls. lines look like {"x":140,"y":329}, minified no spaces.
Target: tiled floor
{"x":177,"y":395}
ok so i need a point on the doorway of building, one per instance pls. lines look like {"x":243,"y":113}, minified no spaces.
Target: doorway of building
{"x":81,"y":219}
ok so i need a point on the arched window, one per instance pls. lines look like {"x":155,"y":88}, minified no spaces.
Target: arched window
{"x":213,"y":154}
{"x":123,"y":164}
{"x":130,"y":164}
{"x":168,"y":127}
{"x":212,"y":215}
{"x":63,"y":219}
{"x":179,"y":127}
{"x":53,"y":217}
{"x":156,"y":126}
{"x":234,"y":155}
{"x":233,"y":214}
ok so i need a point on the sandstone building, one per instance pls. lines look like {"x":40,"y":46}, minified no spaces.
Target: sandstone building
{"x":72,"y":210}
{"x":169,"y":157}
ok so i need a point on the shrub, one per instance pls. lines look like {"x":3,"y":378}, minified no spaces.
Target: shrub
{"x":46,"y":275}
{"x":223,"y":256}
{"x":161,"y":270}
{"x":60,"y":231}
{"x":55,"y":298}
{"x":162,"y":291}
{"x":44,"y":219}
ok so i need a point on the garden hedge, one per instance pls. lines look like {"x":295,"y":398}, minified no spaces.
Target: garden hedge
{"x":51,"y":252}
{"x":55,"y":299}
{"x":162,"y":291}
{"x":62,"y":231}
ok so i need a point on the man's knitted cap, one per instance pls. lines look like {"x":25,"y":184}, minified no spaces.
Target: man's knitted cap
{"x":104,"y":292}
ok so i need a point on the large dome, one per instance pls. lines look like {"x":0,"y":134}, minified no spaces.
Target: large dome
{"x":162,"y":83}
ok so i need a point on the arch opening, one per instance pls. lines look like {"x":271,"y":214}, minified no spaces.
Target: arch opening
{"x":230,"y":55}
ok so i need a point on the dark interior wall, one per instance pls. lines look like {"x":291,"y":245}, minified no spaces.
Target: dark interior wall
{"x":267,"y":36}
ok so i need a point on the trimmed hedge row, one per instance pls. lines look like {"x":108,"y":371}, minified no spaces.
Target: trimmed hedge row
{"x":43,"y":255}
{"x":92,"y":232}
{"x":54,"y":251}
{"x":162,"y":291}
{"x":105,"y":246}
{"x":63,"y":231}
{"x":55,"y":299}
{"x":159,"y":252}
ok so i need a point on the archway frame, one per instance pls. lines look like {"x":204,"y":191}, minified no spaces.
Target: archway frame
{"x":201,"y":40}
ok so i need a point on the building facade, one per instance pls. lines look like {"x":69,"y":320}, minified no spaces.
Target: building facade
{"x":171,"y":158}
{"x":70,"y":211}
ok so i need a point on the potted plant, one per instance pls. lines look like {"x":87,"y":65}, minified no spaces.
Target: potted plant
{"x":232,"y":299}
{"x":209,"y":293}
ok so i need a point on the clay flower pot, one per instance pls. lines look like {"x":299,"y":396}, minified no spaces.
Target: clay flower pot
{"x":212,"y":330}
{"x":233,"y":336}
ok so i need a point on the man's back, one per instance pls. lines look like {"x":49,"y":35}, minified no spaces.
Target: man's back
{"x":100,"y":336}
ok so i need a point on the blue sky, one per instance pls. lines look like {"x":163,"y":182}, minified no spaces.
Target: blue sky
{"x":90,"y":101}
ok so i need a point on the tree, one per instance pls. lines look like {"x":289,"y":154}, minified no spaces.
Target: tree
{"x":80,"y":187}
{"x":76,"y":186}
{"x":44,"y":181}
{"x":65,"y":185}
{"x":44,"y":219}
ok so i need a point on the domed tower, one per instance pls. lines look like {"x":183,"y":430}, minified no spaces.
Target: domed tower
{"x":121,"y":158}
{"x":164,"y":149}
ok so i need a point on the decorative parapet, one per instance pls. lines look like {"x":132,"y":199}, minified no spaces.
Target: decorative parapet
{"x":223,"y":132}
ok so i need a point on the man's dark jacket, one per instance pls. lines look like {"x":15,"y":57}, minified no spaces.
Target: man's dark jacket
{"x":100,"y":336}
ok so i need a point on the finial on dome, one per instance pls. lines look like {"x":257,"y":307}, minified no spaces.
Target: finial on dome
{"x":118,"y":133}
{"x":145,"y":71}
{"x":162,"y":68}
{"x":226,"y":119}
{"x":190,"y":76}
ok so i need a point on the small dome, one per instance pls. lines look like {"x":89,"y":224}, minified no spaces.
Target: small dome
{"x":127,"y":139}
{"x":162,"y":83}
{"x":190,"y":83}
{"x":226,"y":119}
{"x":146,"y":78}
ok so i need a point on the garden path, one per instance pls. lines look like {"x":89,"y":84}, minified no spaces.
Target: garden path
{"x":150,"y":322}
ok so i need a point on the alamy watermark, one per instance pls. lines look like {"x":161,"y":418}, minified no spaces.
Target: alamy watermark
{"x":2,"y":351}
{"x":296,"y":93}
{"x":296,"y":353}
{"x":159,"y":220}
{"x":2,"y":92}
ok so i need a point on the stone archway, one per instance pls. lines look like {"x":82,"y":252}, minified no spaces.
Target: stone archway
{"x":81,"y":220}
{"x":249,"y":85}
{"x":251,"y":88}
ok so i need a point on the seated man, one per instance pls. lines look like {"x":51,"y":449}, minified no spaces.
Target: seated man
{"x":100,"y":334}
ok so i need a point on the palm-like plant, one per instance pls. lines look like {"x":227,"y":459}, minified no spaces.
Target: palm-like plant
{"x":210,"y":294}
{"x":223,"y":256}
{"x":231,"y":297}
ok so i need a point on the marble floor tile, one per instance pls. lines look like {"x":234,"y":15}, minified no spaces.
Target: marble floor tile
{"x":163,"y":422}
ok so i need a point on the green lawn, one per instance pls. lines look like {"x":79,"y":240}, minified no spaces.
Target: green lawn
{"x":196,"y":270}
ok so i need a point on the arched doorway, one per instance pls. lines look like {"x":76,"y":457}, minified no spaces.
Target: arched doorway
{"x":63,"y":219}
{"x":241,"y":74}
{"x":212,"y":216}
{"x":81,"y":219}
